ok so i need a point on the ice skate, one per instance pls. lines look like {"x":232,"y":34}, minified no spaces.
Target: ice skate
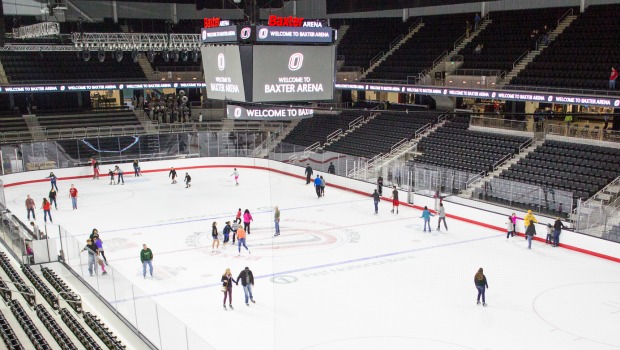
{"x":253,"y":301}
{"x":484,"y":304}
{"x":225,"y":307}
{"x":232,"y":308}
{"x":478,"y":303}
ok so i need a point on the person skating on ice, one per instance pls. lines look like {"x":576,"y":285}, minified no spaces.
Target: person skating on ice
{"x":173,"y":174}
{"x":236,"y":175}
{"x":247,"y":281}
{"x":557,"y":229}
{"x":528,"y":221}
{"x":276,"y":220}
{"x":323,"y":183}
{"x":513,"y":218}
{"x":331,"y":169}
{"x":119,"y":173}
{"x":247,"y":217}
{"x":111,"y":173}
{"x":226,"y":233}
{"x":509,"y":227}
{"x":30,"y":207}
{"x":146,"y":257}
{"x":46,"y":206}
{"x":308,"y":173}
{"x":376,"y":199}
{"x":52,"y":196}
{"x":380,"y":185}
{"x":317,"y":186}
{"x":227,"y":282}
{"x":91,"y":248}
{"x":216,"y":240}
{"x":238,"y":216}
{"x":95,"y":165}
{"x":395,"y":202}
{"x":234,"y":227}
{"x":188,"y":180}
{"x":480,"y":281}
{"x":442,"y":217}
{"x":73,"y":194}
{"x":53,"y":180}
{"x":241,"y":240}
{"x":99,"y":244}
{"x":136,"y":168}
{"x":426,"y":215}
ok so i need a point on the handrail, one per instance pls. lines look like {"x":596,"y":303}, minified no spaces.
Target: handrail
{"x":569,"y":12}
{"x":340,"y":58}
{"x":415,"y":24}
{"x":398,"y":144}
{"x":333,"y":135}
{"x":524,"y":145}
{"x":439,"y":59}
{"x":312,"y":147}
{"x":376,"y":58}
{"x":396,"y":41}
{"x":459,"y":40}
{"x":442,"y":118}
{"x":421,"y":130}
{"x":615,"y":182}
{"x":474,"y":179}
{"x":500,"y":161}
{"x":356,"y":121}
{"x":514,"y":64}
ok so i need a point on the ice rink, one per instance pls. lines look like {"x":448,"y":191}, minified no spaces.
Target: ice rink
{"x":339,"y":277}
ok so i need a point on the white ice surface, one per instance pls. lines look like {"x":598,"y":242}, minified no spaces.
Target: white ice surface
{"x":339,"y":277}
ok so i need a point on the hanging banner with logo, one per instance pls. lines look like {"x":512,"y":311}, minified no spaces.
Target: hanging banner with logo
{"x":267,"y":113}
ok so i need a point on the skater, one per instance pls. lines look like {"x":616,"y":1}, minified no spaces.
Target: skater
{"x":530,"y":232}
{"x":308,"y":173}
{"x":426,"y":215}
{"x":380,"y":185}
{"x":173,"y":174}
{"x":331,"y":169}
{"x":549,"y":237}
{"x":188,"y":180}
{"x":236,"y":175}
{"x":557,"y":229}
{"x":527,"y":221}
{"x":226,"y":233}
{"x":119,"y":177}
{"x":480,"y":281}
{"x":234,"y":227}
{"x":510,"y":228}
{"x":36,"y":232}
{"x":227,"y":281}
{"x":101,"y":264}
{"x":247,"y":281}
{"x":92,"y":255}
{"x":53,"y":179}
{"x":99,"y":244}
{"x":247,"y":217}
{"x":46,"y":206}
{"x":514,"y":224}
{"x":136,"y":168}
{"x":52,"y":196}
{"x":238,"y":216}
{"x":146,"y":256}
{"x":111,"y":173}
{"x":276,"y":220}
{"x":216,"y":241}
{"x":322,"y":186}
{"x":73,"y":193}
{"x":241,"y":239}
{"x":395,"y":202}
{"x":442,"y":217}
{"x":95,"y":165}
{"x":376,"y":198}
{"x":30,"y":207}
{"x":317,"y":186}
{"x":94,"y":234}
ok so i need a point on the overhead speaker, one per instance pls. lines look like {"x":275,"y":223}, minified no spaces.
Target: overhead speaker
{"x":175,"y":55}
{"x":119,"y":55}
{"x":195,"y":55}
{"x":151,"y":56}
{"x":165,"y":55}
{"x":101,"y":55}
{"x":135,"y":55}
{"x":184,"y":55}
{"x":86,"y":55}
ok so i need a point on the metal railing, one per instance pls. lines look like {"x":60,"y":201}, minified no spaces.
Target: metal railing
{"x":396,"y":41}
{"x":593,"y":92}
{"x":575,"y":130}
{"x":516,"y":62}
{"x":568,"y":12}
{"x":415,"y":24}
{"x":166,"y":69}
{"x":334,"y":135}
{"x":498,"y":123}
{"x":422,"y":130}
{"x":376,"y":58}
{"x":478,"y":72}
{"x":356,"y":121}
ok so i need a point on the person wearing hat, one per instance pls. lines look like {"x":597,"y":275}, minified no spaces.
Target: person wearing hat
{"x":527,"y":221}
{"x":247,"y":281}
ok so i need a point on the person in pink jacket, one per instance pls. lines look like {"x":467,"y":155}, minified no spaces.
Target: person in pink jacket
{"x":247,"y":217}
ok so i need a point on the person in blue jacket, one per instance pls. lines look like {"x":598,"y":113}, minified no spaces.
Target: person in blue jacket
{"x":426,"y":215}
{"x":317,"y":186}
{"x":53,"y":179}
{"x":226,"y":232}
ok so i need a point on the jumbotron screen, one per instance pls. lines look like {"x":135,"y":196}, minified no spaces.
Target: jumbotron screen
{"x":293,"y":73}
{"x":223,"y":72}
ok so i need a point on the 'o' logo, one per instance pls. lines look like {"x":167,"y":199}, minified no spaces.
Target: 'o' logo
{"x":221,"y":61}
{"x":493,"y":95}
{"x":550,"y":98}
{"x":262,"y":34}
{"x":296,"y":61}
{"x":237,"y":112}
{"x":617,"y":103}
{"x":204,"y":35}
{"x":245,"y":33}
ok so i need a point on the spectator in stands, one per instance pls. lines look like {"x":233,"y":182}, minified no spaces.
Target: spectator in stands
{"x":476,"y":21}
{"x":467,"y":29}
{"x":200,"y":117}
{"x":146,"y":257}
{"x":30,"y":207}
{"x":309,"y":173}
{"x":331,"y":169}
{"x":478,"y":49}
{"x":545,"y":33}
{"x":612,"y":78}
{"x":557,"y":229}
{"x":376,"y":198}
{"x":568,"y":118}
{"x":606,"y":120}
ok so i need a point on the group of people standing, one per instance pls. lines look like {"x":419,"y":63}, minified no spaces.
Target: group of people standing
{"x":50,"y":200}
{"x":94,"y":247}
{"x":238,"y":233}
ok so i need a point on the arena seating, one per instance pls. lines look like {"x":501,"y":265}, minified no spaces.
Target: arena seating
{"x":108,"y":338}
{"x":316,"y":129}
{"x":33,"y":333}
{"x":613,"y":234}
{"x":78,"y":330}
{"x":24,"y":67}
{"x":573,"y":167}
{"x":418,"y":53}
{"x":52,"y":326}
{"x":382,"y":132}
{"x":454,"y":146}
{"x":8,"y":335}
{"x":12,"y":121}
{"x":367,"y":37}
{"x":89,"y":120}
{"x":40,"y":286}
{"x":5,"y":263}
{"x":582,"y":56}
{"x":508,"y":36}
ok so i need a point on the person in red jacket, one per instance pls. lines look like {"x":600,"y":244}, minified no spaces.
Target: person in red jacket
{"x":47,"y":207}
{"x":612,"y":78}
{"x":73,"y":193}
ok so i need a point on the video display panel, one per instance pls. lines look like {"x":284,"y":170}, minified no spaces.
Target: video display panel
{"x":223,"y":72}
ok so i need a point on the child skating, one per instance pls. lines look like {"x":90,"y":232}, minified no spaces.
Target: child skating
{"x":111,"y":173}
{"x":236,"y":175}
{"x":216,"y":241}
{"x":173,"y":174}
{"x":426,"y":215}
{"x":396,"y":203}
{"x":188,"y":180}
